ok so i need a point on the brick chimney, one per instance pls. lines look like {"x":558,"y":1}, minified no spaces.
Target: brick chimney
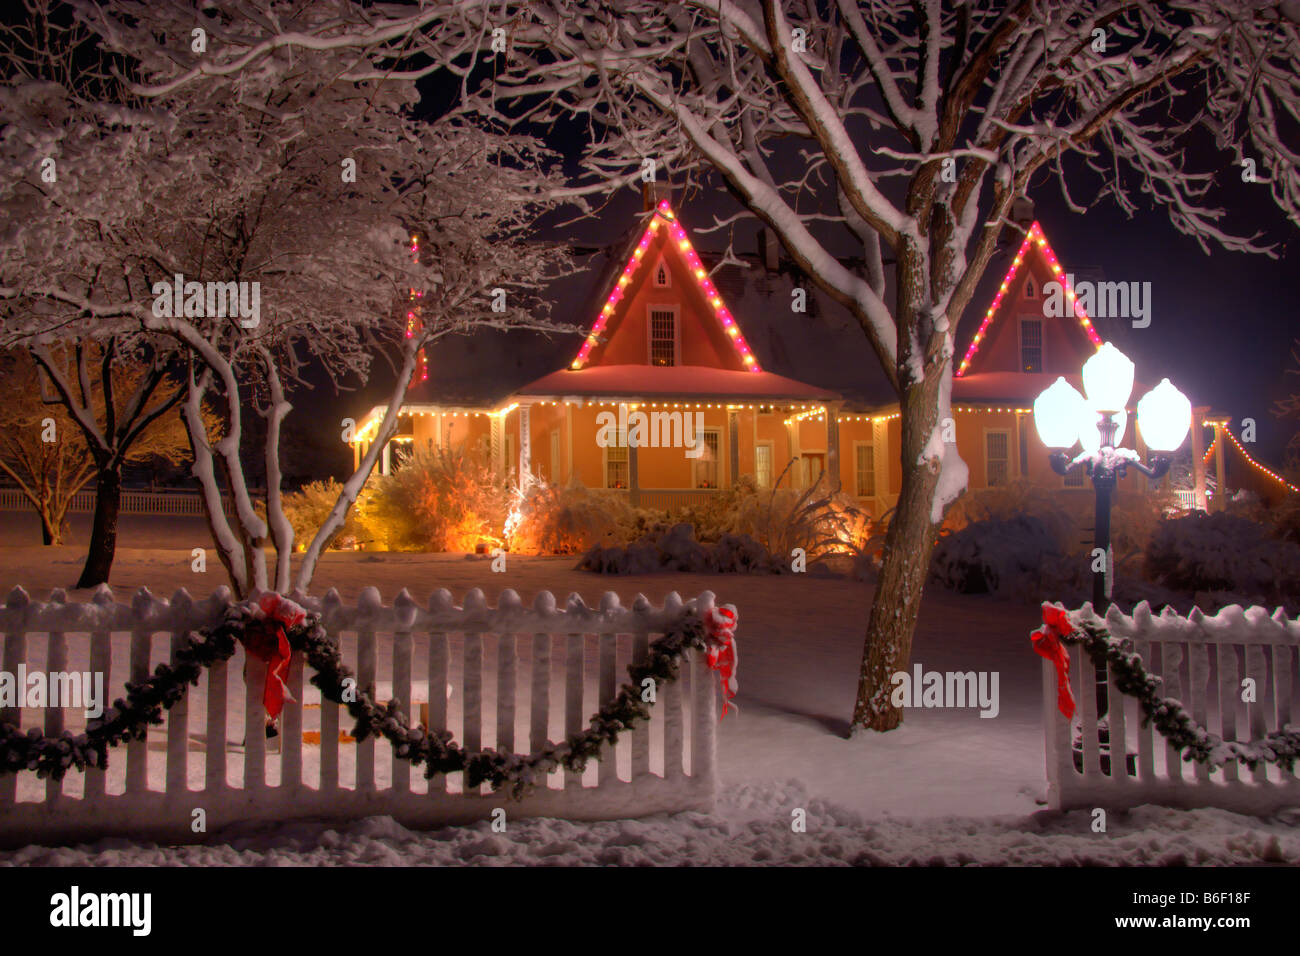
{"x":769,"y":249}
{"x":651,"y":193}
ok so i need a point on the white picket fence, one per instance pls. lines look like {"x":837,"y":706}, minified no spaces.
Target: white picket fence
{"x":1203,"y":661}
{"x":510,"y":677}
{"x":132,"y":502}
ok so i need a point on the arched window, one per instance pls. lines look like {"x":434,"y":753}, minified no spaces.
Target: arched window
{"x":662,"y":278}
{"x":1029,"y":288}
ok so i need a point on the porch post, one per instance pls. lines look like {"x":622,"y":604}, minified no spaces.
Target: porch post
{"x":497,"y":440}
{"x":733,"y":444}
{"x":880,"y":463}
{"x":633,"y":466}
{"x":796,"y":473}
{"x":568,"y":440}
{"x":386,"y":468}
{"x":525,"y":448}
{"x":833,"y":443}
{"x":1221,"y":489}
{"x":1198,"y":458}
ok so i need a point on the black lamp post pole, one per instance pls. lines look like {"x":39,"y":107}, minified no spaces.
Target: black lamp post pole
{"x":1105,"y":470}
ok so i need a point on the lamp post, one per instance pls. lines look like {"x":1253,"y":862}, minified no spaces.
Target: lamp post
{"x":1064,"y":418}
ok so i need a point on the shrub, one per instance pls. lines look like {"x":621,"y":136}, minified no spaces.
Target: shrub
{"x":438,"y":500}
{"x":1013,"y":555}
{"x":1223,"y":552}
{"x":571,"y":519}
{"x":308,"y":508}
{"x":676,"y":549}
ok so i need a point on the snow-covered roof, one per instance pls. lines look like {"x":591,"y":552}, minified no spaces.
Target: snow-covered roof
{"x":673,"y":381}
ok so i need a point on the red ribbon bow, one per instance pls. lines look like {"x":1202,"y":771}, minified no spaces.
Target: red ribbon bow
{"x":720,"y":624}
{"x":1047,"y":643}
{"x":265,"y":639}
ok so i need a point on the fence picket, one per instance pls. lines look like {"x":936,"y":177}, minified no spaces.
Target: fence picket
{"x":401,"y":768}
{"x":473,"y":701}
{"x":1257,"y":711}
{"x":641,"y":731}
{"x":1229,"y":699}
{"x":573,"y":688}
{"x":507,"y":691}
{"x":178,"y":733}
{"x":607,"y":685}
{"x":366,"y":683}
{"x":439,"y":657}
{"x":56,"y":660}
{"x":137,"y":751}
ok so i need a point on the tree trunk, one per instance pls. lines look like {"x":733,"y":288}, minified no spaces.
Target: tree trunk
{"x":49,"y":533}
{"x":103,"y":533}
{"x":908,"y":546}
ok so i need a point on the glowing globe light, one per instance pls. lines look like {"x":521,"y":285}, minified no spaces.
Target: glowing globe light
{"x":1058,"y":413}
{"x":1164,"y":417}
{"x":1108,"y":379}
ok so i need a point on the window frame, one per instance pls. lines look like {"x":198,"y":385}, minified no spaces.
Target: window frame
{"x":1020,"y":344}
{"x":857,"y":471}
{"x":1010,"y":461}
{"x":771,"y":463}
{"x":626,"y":461}
{"x":651,"y":309}
{"x":696,"y":463}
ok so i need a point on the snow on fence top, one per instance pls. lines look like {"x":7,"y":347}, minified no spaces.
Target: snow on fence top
{"x":148,"y":612}
{"x":1233,"y":624}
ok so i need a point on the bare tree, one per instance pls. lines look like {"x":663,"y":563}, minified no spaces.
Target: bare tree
{"x":904,"y":128}
{"x":303,"y":197}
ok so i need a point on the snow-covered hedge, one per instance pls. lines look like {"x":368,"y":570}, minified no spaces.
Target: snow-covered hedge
{"x":998,"y":555}
{"x":1223,"y":552}
{"x":675,"y":549}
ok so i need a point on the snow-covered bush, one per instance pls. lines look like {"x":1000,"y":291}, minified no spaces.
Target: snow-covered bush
{"x":308,"y":508}
{"x":1013,"y":555}
{"x":675,"y":549}
{"x":438,"y":500}
{"x":1018,"y":498}
{"x":1223,"y":552}
{"x":570,"y":519}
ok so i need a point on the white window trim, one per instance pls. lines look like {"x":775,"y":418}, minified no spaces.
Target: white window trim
{"x":869,"y":444}
{"x":1011,"y":461}
{"x":1020,"y":341}
{"x":649,"y":332}
{"x":668,"y":274}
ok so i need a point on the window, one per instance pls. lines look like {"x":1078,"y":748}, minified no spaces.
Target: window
{"x":763,"y":465}
{"x":865,"y":469}
{"x":616,"y":463}
{"x":663,"y":337}
{"x":997,"y":458}
{"x":706,"y":466}
{"x":663,"y":278}
{"x":1031,"y":345}
{"x":813,"y":466}
{"x":1029,"y":288}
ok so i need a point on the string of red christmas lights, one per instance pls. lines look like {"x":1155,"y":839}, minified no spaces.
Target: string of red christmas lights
{"x":663,"y":216}
{"x":1035,"y":235}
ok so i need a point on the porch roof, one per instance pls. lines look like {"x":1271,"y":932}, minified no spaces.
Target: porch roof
{"x":675,"y":381}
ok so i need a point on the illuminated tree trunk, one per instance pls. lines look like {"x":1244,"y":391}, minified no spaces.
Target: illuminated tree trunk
{"x":909,"y":543}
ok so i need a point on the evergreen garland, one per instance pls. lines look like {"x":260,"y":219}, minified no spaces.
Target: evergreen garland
{"x":1170,"y":717}
{"x":146,"y":700}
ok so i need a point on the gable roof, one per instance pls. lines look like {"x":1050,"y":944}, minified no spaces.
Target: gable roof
{"x":1035,"y":242}
{"x":679,"y":245}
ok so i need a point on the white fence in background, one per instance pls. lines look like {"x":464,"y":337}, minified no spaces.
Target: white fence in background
{"x":1202,"y":661}
{"x":132,"y":502}
{"x":511,"y":677}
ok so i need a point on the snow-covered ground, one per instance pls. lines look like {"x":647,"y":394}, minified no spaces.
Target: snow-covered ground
{"x":948,"y":786}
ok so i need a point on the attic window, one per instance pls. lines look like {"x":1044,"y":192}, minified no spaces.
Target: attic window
{"x":663,"y":337}
{"x":662,"y":279}
{"x":1029,"y":288}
